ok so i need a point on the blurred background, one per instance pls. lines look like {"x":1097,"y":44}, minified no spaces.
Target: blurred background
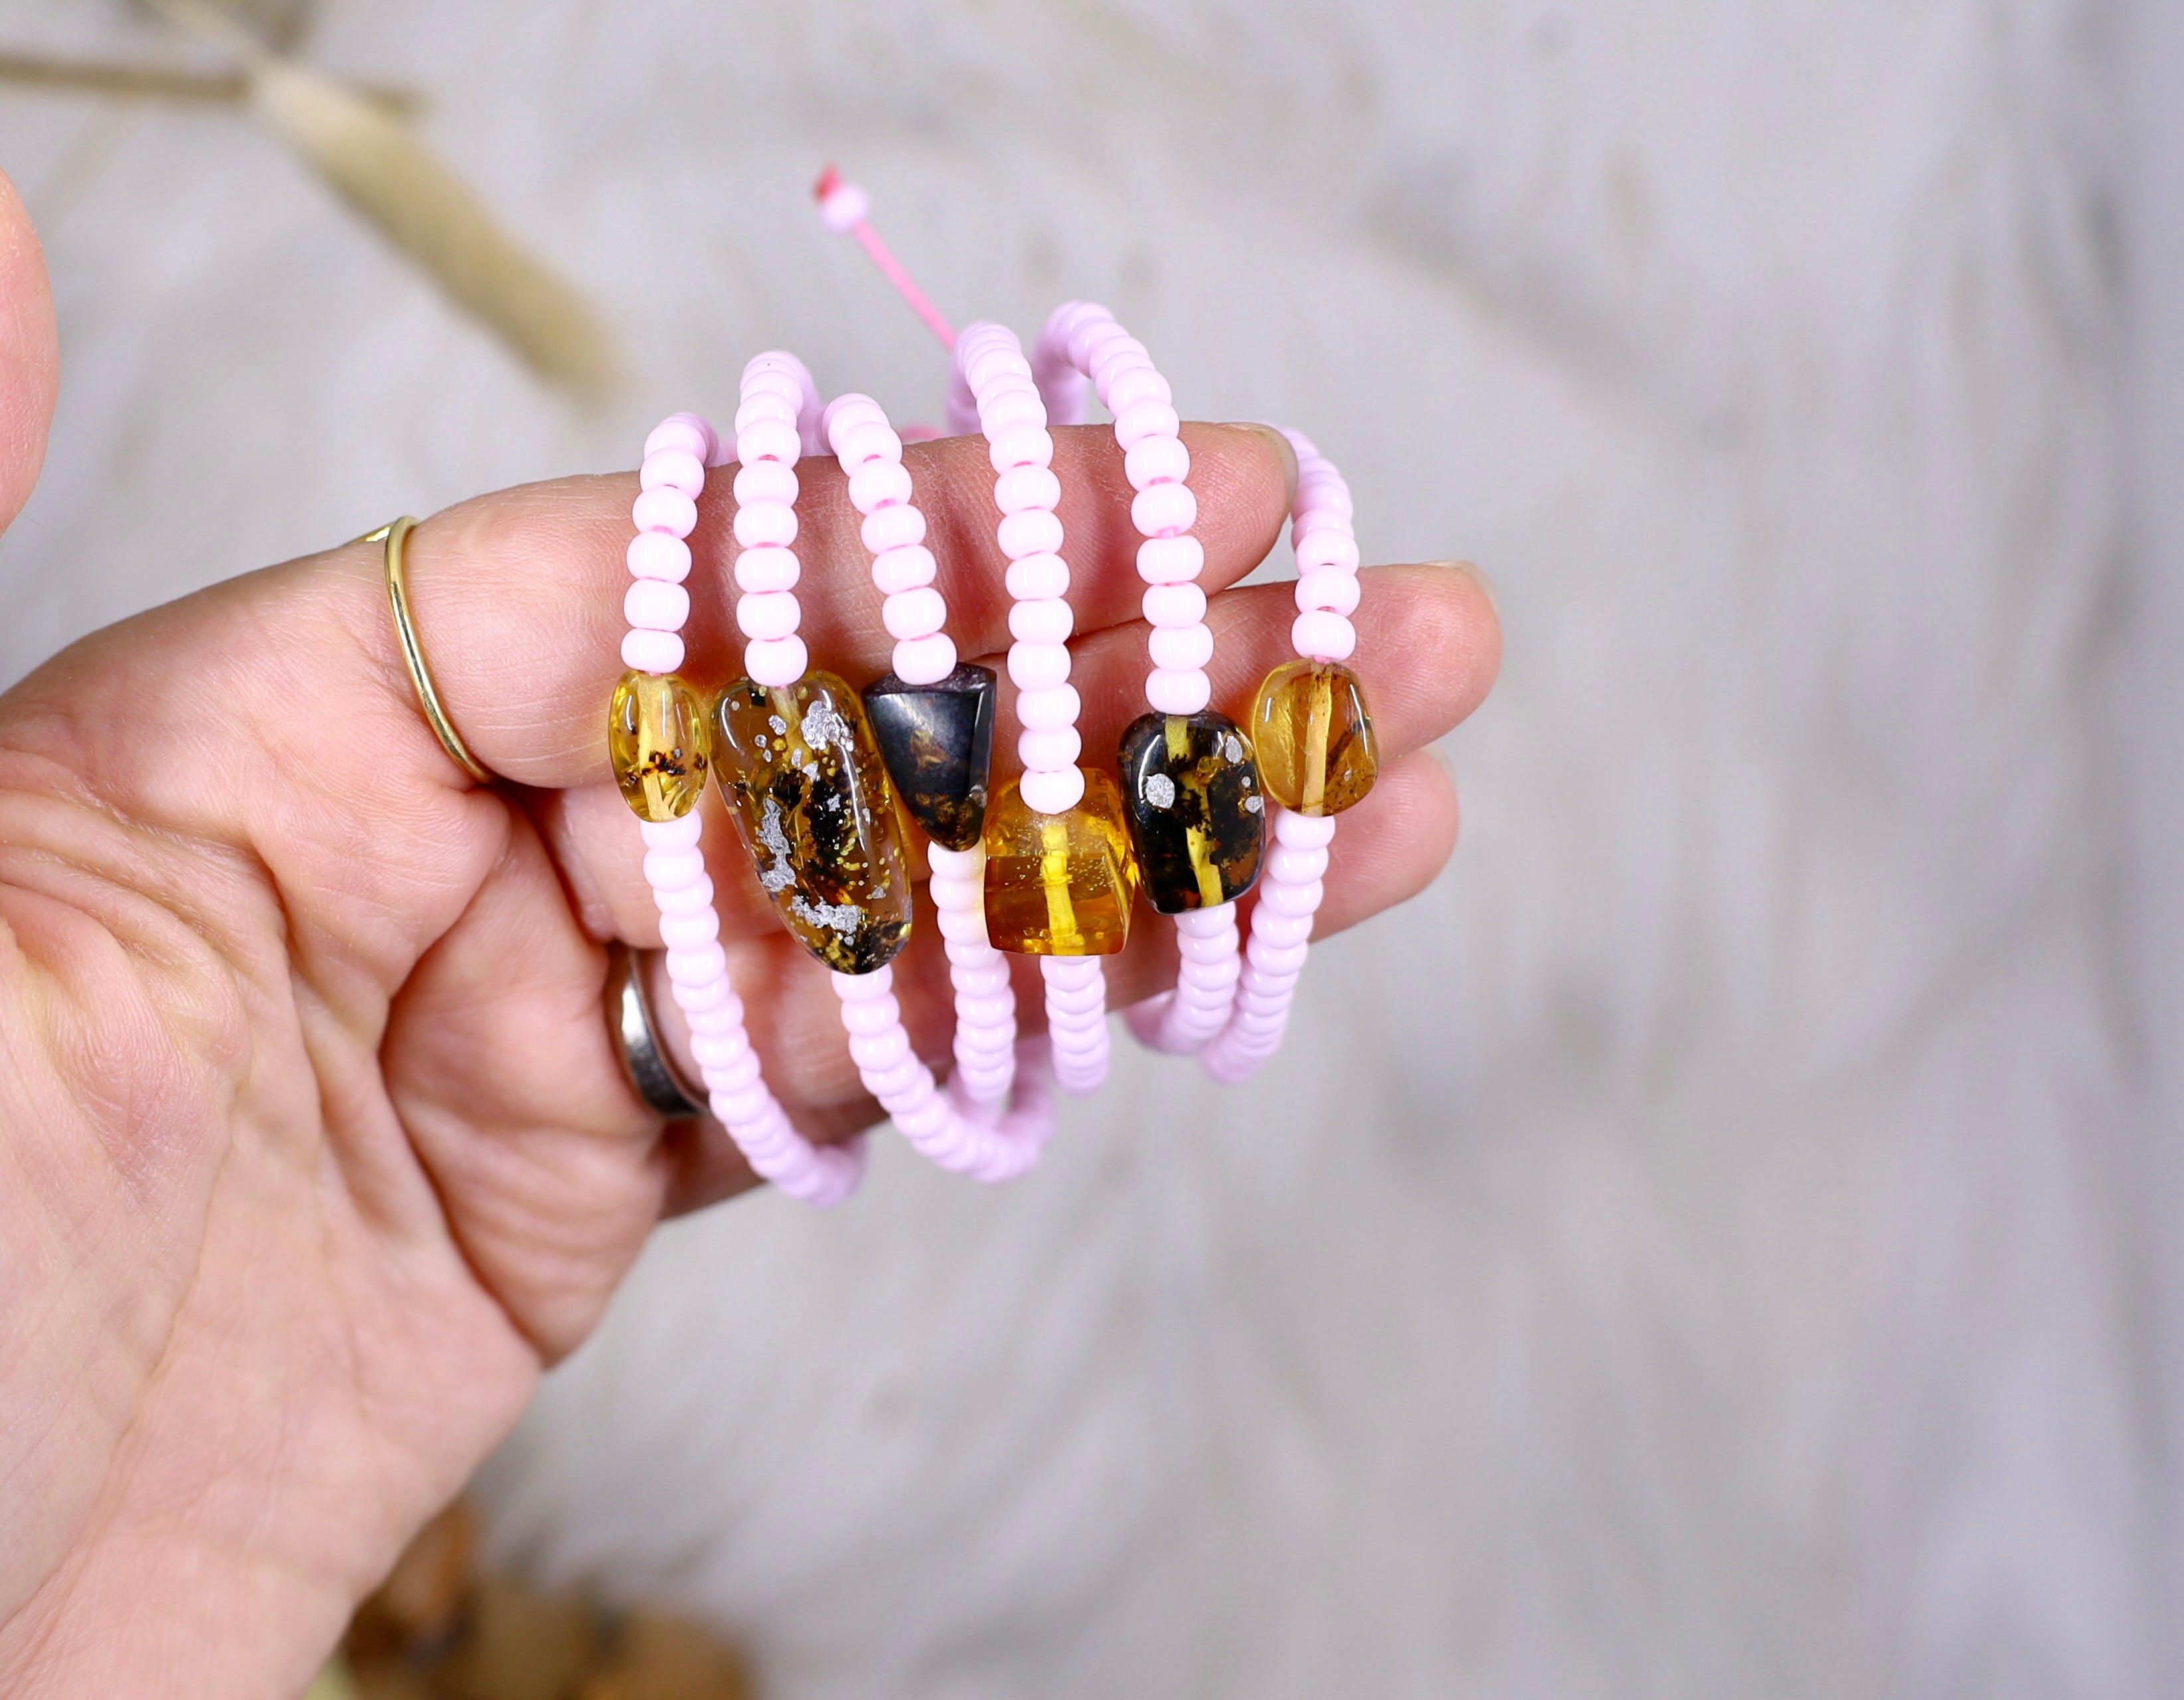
{"x":1715,"y":1242}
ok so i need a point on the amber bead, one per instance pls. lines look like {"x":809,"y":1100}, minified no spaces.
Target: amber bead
{"x":1060,"y":886}
{"x":1316,"y":752}
{"x":807,"y":787}
{"x":660,"y":742}
{"x":938,"y":742}
{"x":1198,"y":819}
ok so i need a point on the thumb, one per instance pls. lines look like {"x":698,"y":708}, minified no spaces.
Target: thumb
{"x":29,"y":354}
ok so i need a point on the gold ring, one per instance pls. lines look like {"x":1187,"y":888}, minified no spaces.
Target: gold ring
{"x":397,"y":593}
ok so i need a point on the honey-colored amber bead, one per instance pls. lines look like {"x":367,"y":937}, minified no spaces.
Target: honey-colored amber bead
{"x":1060,"y":886}
{"x":1316,"y":752}
{"x":1198,"y":818}
{"x":661,"y":740}
{"x":804,"y":780}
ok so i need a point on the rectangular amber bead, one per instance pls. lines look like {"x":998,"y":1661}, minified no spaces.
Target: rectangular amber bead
{"x":1060,"y":886}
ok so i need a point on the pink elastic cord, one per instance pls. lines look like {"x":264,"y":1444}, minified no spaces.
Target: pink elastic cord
{"x":1084,"y":341}
{"x":1290,"y":888}
{"x":676,"y":456}
{"x":964,"y":1134}
{"x":991,"y":389}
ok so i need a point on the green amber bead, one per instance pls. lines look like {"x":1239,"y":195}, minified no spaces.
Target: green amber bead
{"x":804,"y":780}
{"x":1060,"y":886}
{"x":660,"y":742}
{"x":1198,"y":817}
{"x":1316,"y":752}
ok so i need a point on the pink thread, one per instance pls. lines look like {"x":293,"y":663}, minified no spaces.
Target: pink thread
{"x":843,"y":207}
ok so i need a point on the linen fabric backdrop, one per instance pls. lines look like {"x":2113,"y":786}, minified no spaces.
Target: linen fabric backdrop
{"x":1713,"y":1243}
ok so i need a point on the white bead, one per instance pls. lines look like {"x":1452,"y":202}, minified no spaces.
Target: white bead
{"x":764,"y":523}
{"x":1329,"y":587}
{"x":903,"y":569}
{"x":1164,"y":509}
{"x":1033,"y":533}
{"x":1156,"y":460}
{"x":878,"y":484}
{"x":846,"y":207}
{"x":766,"y":569}
{"x":892,"y":528}
{"x":768,"y":614}
{"x":1323,"y":635}
{"x":1044,"y":751}
{"x":1177,"y":692}
{"x":1021,"y":489}
{"x":1043,"y":620}
{"x":665,"y":510}
{"x":1038,"y":577}
{"x":1037,"y":667}
{"x":913,"y":614}
{"x":764,"y":481}
{"x":1047,"y":707}
{"x":1020,"y":445}
{"x":1133,"y":425}
{"x":672,"y":469}
{"x":1173,"y":604}
{"x":1171,"y":560}
{"x":1054,"y":791}
{"x":1180,"y":647}
{"x":1326,"y":548}
{"x":656,"y":604}
{"x":925,"y":660}
{"x":776,"y":662}
{"x":1303,"y":832}
{"x":647,"y":651}
{"x":657,"y":555}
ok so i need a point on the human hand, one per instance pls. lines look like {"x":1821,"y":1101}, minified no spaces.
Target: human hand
{"x":317,"y":1150}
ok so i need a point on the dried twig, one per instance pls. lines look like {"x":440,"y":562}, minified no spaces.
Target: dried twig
{"x":164,"y":82}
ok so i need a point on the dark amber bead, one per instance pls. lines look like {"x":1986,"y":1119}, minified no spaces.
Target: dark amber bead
{"x":938,"y":742}
{"x":1316,"y":752}
{"x":806,"y":781}
{"x":1198,"y":817}
{"x":1060,"y":886}
{"x":659,"y":739}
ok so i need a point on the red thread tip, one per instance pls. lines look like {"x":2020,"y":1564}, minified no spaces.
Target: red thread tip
{"x":829,"y":180}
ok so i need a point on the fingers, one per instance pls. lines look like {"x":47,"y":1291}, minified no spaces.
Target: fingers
{"x":29,"y":354}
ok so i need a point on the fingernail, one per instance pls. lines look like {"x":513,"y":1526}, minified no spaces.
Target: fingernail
{"x":1471,"y":571}
{"x":1282,"y":449}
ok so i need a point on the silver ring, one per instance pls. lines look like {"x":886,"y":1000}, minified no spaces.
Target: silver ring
{"x":645,"y":1059}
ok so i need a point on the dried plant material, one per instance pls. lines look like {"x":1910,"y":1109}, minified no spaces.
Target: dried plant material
{"x":163,"y":82}
{"x":378,"y":165}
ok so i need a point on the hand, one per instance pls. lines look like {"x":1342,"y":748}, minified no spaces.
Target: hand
{"x":316,"y":1150}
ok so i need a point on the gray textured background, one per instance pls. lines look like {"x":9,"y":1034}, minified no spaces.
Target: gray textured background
{"x":1712,"y":1242}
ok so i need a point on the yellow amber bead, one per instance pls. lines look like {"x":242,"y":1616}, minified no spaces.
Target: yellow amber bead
{"x":659,"y":738}
{"x":803,"y":777}
{"x":1060,"y":886}
{"x":1316,"y":752}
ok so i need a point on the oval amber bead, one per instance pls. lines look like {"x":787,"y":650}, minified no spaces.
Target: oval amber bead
{"x":659,"y":738}
{"x":1198,"y":820}
{"x":803,"y":777}
{"x":1060,"y":886}
{"x":1316,"y":752}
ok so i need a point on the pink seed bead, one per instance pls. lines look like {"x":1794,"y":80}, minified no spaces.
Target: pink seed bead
{"x":1140,"y":384}
{"x":776,"y":662}
{"x":1205,"y":949}
{"x":680,"y":932}
{"x":1156,"y":460}
{"x":1041,"y":622}
{"x":991,"y":367}
{"x":768,"y":614}
{"x":1177,"y":691}
{"x":1296,"y":866}
{"x":670,"y":870}
{"x":925,"y":660}
{"x":863,"y":444}
{"x":652,"y":652}
{"x":1147,"y":418}
{"x":1020,"y":445}
{"x":764,"y":481}
{"x":1327,"y":587}
{"x":1326,"y":549}
{"x":1180,"y":649}
{"x":1048,"y":750}
{"x":1053,"y":791}
{"x":869,"y":1015}
{"x":764,"y":524}
{"x":1011,"y":408}
{"x":719,"y":1053}
{"x":892,"y":528}
{"x":768,"y":439}
{"x":657,"y":604}
{"x":1281,"y":959}
{"x":963,"y":924}
{"x":714,"y":1002}
{"x":1021,"y":489}
{"x":878,"y":484}
{"x":1304,"y":831}
{"x":767,"y":569}
{"x":672,"y":469}
{"x":1292,"y":899}
{"x":1038,"y":577}
{"x":1037,"y":667}
{"x":665,"y":510}
{"x":903,"y":569}
{"x":688,"y":900}
{"x":683,"y":431}
{"x":766,"y":404}
{"x":657,"y":555}
{"x":682,"y":832}
{"x":1174,"y":605}
{"x":1272,"y":927}
{"x":1046,"y":707}
{"x":881,"y":1051}
{"x":1164,"y":508}
{"x":1033,"y":533}
{"x":1323,"y":635}
{"x":1171,"y":560}
{"x":912,"y":614}
{"x":696,"y":964}
{"x":1327,"y":495}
